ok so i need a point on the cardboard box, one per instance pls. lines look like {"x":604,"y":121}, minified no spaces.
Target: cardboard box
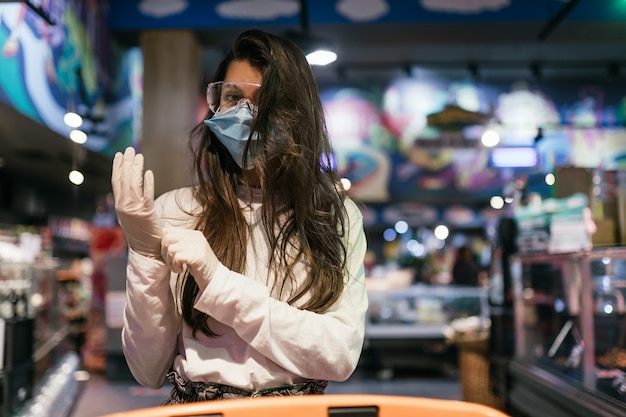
{"x":572,"y":180}
{"x":606,"y":235}
{"x":621,"y":215}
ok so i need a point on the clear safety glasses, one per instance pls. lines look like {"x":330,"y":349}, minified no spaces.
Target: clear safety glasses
{"x":222,"y":95}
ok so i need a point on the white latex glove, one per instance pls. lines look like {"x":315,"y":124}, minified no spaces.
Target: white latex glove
{"x":188,"y":248}
{"x":133,"y":191}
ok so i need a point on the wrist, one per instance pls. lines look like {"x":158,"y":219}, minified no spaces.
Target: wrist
{"x":146,"y":253}
{"x":204,"y":275}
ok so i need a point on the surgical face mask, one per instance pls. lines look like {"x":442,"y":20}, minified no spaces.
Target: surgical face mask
{"x":232,"y":128}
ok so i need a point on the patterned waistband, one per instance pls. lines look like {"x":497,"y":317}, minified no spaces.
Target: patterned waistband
{"x":189,"y":391}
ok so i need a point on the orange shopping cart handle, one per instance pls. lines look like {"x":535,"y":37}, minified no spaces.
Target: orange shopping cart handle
{"x":328,"y":405}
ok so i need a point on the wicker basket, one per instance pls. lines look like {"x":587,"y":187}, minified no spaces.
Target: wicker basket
{"x":474,"y":370}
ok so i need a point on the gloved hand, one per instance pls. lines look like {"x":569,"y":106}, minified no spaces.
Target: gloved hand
{"x":186,"y":247}
{"x":133,"y":191}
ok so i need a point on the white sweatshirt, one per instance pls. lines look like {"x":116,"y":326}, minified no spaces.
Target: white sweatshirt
{"x":263,"y":342}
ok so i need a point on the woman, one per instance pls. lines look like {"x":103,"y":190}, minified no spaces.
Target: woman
{"x":251,"y":282}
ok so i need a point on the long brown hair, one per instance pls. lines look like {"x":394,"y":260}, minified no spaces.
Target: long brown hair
{"x":302,"y":208}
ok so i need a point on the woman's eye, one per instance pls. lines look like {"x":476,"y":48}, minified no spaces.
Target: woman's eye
{"x":230,"y":99}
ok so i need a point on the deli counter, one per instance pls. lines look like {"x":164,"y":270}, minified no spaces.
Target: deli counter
{"x":570,"y":327}
{"x":405,"y":326}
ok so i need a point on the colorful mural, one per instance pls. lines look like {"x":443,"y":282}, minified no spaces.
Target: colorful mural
{"x":46,"y":70}
{"x":419,"y":139}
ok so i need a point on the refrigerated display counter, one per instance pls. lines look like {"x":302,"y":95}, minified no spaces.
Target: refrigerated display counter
{"x":405,"y":327}
{"x":36,"y":358}
{"x":570,"y":327}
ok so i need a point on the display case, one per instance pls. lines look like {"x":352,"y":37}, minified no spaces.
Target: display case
{"x":405,"y":327}
{"x":34,"y":330}
{"x":570,"y":327}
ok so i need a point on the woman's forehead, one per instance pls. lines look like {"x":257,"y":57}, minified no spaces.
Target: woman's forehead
{"x":243,"y":71}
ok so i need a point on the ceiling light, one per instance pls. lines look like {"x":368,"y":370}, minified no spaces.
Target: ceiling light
{"x":318,"y":51}
{"x":72,"y":119}
{"x":496,"y":202}
{"x":76,"y":177}
{"x":441,"y":232}
{"x":78,"y":136}
{"x":401,"y":227}
{"x":321,"y":57}
{"x":490,"y":138}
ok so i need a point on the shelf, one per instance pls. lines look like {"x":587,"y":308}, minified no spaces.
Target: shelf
{"x":421,"y":311}
{"x":57,"y":393}
{"x":51,"y":343}
{"x":404,"y":331}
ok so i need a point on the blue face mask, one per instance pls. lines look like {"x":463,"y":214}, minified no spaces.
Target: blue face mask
{"x":232,"y":128}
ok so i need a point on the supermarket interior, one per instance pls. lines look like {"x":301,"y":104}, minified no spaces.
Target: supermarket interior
{"x":492,"y":131}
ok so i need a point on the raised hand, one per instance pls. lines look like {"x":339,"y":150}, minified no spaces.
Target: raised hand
{"x":133,"y":191}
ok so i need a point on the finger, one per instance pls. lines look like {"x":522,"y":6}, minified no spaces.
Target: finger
{"x":125,"y":180}
{"x":177,"y":266}
{"x":174,"y":234}
{"x":136,"y":177}
{"x":129,"y":152}
{"x":148,"y":187}
{"x":116,"y":175}
{"x":173,"y":259}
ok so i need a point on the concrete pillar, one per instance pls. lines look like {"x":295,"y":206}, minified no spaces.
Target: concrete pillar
{"x":172,"y":73}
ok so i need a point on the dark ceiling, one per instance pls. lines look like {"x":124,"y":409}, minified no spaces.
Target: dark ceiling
{"x":378,"y":39}
{"x":31,"y":152}
{"x":497,"y":50}
{"x":568,"y":39}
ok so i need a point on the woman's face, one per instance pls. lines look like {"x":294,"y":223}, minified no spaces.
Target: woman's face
{"x":242,"y":81}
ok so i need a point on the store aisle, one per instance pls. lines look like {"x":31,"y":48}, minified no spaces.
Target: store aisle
{"x":101,"y":396}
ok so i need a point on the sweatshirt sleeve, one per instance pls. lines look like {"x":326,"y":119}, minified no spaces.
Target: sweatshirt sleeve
{"x":151,"y":322}
{"x":149,"y":335}
{"x":315,"y":346}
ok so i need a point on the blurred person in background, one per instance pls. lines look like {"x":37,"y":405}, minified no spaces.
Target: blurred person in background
{"x":465,"y":270}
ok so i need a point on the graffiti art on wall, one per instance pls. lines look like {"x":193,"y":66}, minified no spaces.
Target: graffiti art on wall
{"x":46,"y":70}
{"x":420,"y":138}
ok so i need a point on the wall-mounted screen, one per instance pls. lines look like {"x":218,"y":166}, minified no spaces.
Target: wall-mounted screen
{"x":514,"y":157}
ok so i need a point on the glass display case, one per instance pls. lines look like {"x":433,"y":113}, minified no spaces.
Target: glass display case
{"x":570,"y":327}
{"x":34,"y":332}
{"x":405,"y":327}
{"x":30,"y":292}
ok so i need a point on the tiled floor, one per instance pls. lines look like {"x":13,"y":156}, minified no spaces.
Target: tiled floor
{"x":101,"y":396}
